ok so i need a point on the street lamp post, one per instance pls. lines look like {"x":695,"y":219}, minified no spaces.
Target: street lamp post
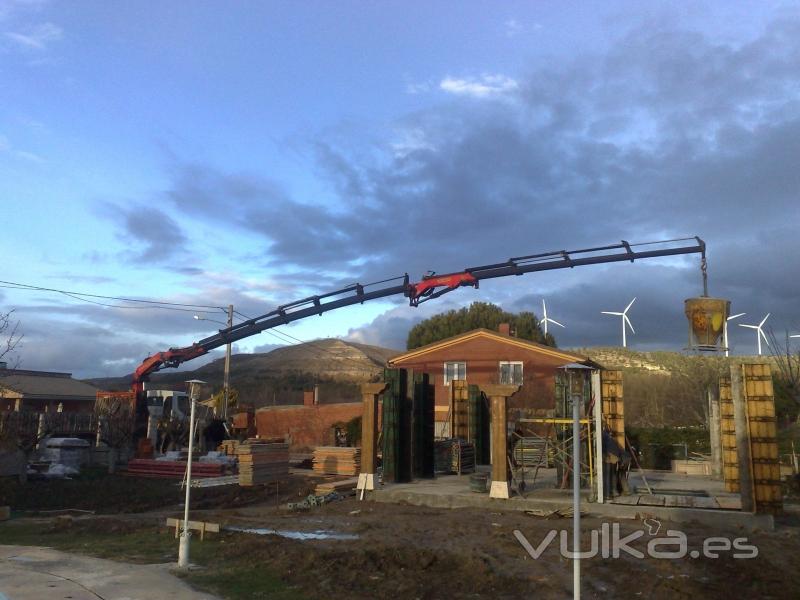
{"x":183,"y":548}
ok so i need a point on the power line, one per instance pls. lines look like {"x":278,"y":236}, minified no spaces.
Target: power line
{"x":164,"y":305}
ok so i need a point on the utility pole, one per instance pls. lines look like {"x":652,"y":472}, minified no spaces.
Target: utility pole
{"x":227,"y":376}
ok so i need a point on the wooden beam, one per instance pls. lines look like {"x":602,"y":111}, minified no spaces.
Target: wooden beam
{"x":369,"y":434}
{"x":498,"y":400}
{"x":200,"y":526}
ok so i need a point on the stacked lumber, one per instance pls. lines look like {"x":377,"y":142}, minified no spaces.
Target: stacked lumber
{"x":228,"y":447}
{"x":262,"y":462}
{"x":342,"y":486}
{"x":172,"y":469}
{"x":337,"y":460}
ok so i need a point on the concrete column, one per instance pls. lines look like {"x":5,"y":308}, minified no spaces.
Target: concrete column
{"x":369,"y":434}
{"x":714,"y":431}
{"x":742,"y":438}
{"x":498,"y":397}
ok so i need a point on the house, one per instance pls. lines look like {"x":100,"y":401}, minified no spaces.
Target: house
{"x":485,"y":356}
{"x":44,"y":391}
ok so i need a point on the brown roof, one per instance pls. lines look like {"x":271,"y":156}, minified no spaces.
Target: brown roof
{"x":46,"y":386}
{"x":494,"y":335}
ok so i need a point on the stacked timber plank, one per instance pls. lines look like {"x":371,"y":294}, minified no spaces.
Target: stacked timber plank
{"x":228,"y":447}
{"x":337,"y":460}
{"x":172,"y":469}
{"x":342,"y":486}
{"x":262,"y":462}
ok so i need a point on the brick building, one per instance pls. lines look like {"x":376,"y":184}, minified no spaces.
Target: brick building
{"x":485,"y":356}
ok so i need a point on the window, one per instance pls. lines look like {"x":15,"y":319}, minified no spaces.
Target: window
{"x":454,"y":370}
{"x":511,"y":373}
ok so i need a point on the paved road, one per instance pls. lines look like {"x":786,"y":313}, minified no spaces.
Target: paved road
{"x":33,"y":573}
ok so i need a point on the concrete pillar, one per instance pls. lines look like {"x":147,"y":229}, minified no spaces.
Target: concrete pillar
{"x":498,"y":402}
{"x":714,"y":431}
{"x":369,"y":434}
{"x":742,"y":438}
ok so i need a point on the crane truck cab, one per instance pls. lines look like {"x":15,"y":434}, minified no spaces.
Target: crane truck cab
{"x":168,"y":403}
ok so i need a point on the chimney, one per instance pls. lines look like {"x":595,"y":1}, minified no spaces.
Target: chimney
{"x":504,"y":329}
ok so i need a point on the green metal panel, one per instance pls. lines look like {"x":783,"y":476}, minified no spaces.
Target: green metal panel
{"x":423,"y":425}
{"x":397,"y":442}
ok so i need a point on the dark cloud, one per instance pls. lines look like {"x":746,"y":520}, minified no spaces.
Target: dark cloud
{"x":149,"y":234}
{"x":668,"y":133}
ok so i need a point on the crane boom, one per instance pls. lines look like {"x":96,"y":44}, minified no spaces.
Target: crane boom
{"x":429,"y":287}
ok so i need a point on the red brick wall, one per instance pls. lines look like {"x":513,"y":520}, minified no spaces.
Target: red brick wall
{"x":305,"y":426}
{"x":482,"y":357}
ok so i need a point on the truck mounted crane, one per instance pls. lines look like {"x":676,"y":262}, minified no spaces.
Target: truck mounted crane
{"x":429,"y":287}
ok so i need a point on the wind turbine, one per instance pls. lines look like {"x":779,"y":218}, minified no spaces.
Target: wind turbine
{"x":545,"y":321}
{"x":625,"y":319}
{"x":725,"y":331}
{"x":760,"y":332}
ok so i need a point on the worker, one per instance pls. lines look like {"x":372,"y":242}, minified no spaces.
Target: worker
{"x":616,"y":462}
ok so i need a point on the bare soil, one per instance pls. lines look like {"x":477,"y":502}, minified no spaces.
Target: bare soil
{"x":415,"y":552}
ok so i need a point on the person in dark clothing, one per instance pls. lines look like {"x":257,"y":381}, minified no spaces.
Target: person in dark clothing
{"x":616,"y":461}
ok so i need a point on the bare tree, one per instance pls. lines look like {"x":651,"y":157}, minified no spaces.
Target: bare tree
{"x":115,"y":423}
{"x":10,"y":337}
{"x":788,"y":365}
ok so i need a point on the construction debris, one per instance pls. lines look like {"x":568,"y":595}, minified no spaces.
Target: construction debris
{"x":314,"y":500}
{"x":337,"y":460}
{"x":454,"y":456}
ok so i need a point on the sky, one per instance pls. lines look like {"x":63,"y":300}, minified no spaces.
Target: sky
{"x":254,"y":153}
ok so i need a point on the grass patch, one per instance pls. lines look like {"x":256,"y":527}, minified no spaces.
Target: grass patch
{"x":229,"y":571}
{"x":241,"y":582}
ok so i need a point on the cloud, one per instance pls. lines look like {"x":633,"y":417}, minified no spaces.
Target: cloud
{"x":36,"y":38}
{"x":479,"y":87}
{"x":10,"y":8}
{"x":155,"y":235}
{"x":668,"y":132}
{"x":7,"y":148}
{"x":513,"y":27}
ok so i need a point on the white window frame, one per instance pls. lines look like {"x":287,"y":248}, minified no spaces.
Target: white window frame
{"x":511,"y":363}
{"x":454,"y":362}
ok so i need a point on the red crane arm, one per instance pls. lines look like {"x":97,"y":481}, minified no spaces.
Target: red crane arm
{"x":171,"y":358}
{"x":425,"y":288}
{"x":429,"y":287}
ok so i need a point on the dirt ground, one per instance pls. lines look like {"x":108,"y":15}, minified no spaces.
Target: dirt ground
{"x":415,"y":552}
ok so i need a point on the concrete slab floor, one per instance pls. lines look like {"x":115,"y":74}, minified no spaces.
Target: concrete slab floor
{"x":35,"y":573}
{"x":453,"y":491}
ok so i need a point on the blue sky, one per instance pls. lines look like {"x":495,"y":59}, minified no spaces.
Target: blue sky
{"x":254,"y":153}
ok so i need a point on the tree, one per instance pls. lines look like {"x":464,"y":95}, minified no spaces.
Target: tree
{"x":477,"y":315}
{"x":787,"y":378}
{"x":10,"y":337}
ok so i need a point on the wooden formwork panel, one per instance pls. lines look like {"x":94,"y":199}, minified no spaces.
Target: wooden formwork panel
{"x":727,"y":429}
{"x":459,"y":406}
{"x":611,"y":393}
{"x":762,"y":427}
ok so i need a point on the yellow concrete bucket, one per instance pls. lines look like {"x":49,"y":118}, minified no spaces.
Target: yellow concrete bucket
{"x":707,"y":320}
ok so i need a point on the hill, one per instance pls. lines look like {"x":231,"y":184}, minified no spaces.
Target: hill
{"x":279,"y":376}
